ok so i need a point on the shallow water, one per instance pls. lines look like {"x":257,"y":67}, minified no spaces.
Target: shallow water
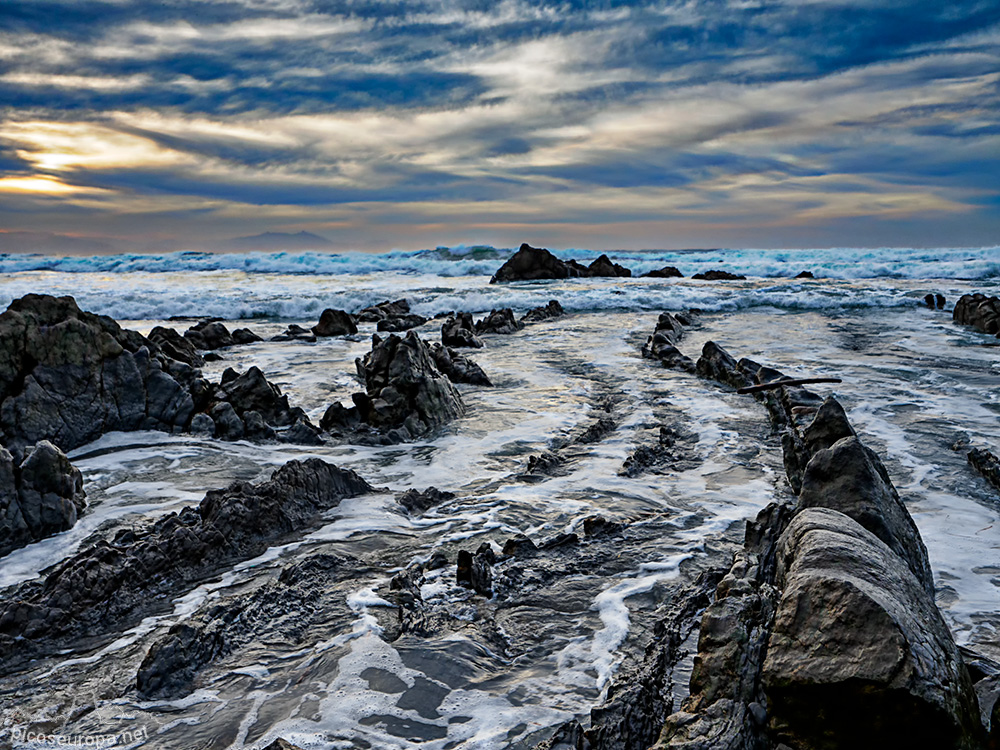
{"x":914,"y":385}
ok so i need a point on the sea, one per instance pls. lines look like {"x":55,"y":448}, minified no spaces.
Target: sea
{"x":919,"y":389}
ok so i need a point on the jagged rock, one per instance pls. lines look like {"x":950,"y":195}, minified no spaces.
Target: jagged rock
{"x":986,"y":464}
{"x":859,"y":655}
{"x":110,"y":585}
{"x":335,"y":323}
{"x":176,"y":346}
{"x":716,"y":363}
{"x":829,"y":425}
{"x":295,"y":332}
{"x":603,"y":266}
{"x":255,"y":427}
{"x":418,"y":502}
{"x":252,"y":391}
{"x":718,"y":276}
{"x":662,"y":344}
{"x":245,"y":336}
{"x":458,"y":368}
{"x":499,"y":321}
{"x":69,"y":376}
{"x":384,"y":310}
{"x":169,"y":667}
{"x":406,"y":395}
{"x":805,"y":275}
{"x":475,"y":571}
{"x":667,"y":272}
{"x":302,"y":432}
{"x":401,"y":323}
{"x":228,"y":425}
{"x":209,"y":334}
{"x":570,"y":736}
{"x":552,"y":310}
{"x":282,"y":744}
{"x":530,"y":263}
{"x":41,"y":497}
{"x":850,"y":478}
{"x":979,"y":311}
{"x":460,"y":331}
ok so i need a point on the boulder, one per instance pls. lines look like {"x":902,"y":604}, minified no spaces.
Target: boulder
{"x":335,"y":323}
{"x":986,"y":464}
{"x":859,"y":655}
{"x":499,"y":321}
{"x":418,"y":502}
{"x":245,"y":336}
{"x":458,"y":368}
{"x":401,"y":323}
{"x":531,"y":263}
{"x":39,"y":498}
{"x":551,"y":310}
{"x":718,"y":276}
{"x":209,"y":334}
{"x":295,"y":332}
{"x":667,"y":272}
{"x":979,"y":311}
{"x":460,"y":331}
{"x":69,"y":376}
{"x":848,"y":477}
{"x":603,"y":266}
{"x":176,"y":346}
{"x":384,"y":310}
{"x":805,"y":275}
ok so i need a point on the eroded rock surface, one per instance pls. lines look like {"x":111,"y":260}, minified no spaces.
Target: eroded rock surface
{"x":979,"y":311}
{"x":459,"y":331}
{"x":335,"y":323}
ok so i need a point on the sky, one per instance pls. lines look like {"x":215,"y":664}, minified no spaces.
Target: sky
{"x":400,"y":125}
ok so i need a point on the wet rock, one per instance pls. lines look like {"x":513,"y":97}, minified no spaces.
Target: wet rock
{"x":203,"y":424}
{"x":228,"y":425}
{"x":544,"y":464}
{"x":986,"y":464}
{"x":530,"y":263}
{"x":551,"y":310}
{"x":662,"y":344}
{"x":718,"y":276}
{"x":939,"y":300}
{"x":108,"y":587}
{"x":176,"y":346}
{"x":39,"y":498}
{"x":69,"y":376}
{"x":251,"y":391}
{"x":569,"y":736}
{"x":384,"y":310}
{"x":295,"y":332}
{"x":499,"y":321}
{"x":597,"y":431}
{"x":858,"y":634}
{"x":979,"y":311}
{"x":828,"y":426}
{"x":594,"y":526}
{"x":418,"y":502}
{"x":169,"y":667}
{"x":401,"y":323}
{"x":475,"y":571}
{"x":603,"y":266}
{"x":929,"y":300}
{"x":301,"y":432}
{"x":674,"y":451}
{"x":805,"y":275}
{"x":209,"y":334}
{"x":717,"y":364}
{"x":460,"y":331}
{"x":245,"y":336}
{"x":519,"y":546}
{"x":667,"y":272}
{"x":458,"y":368}
{"x":282,"y":744}
{"x":256,"y":428}
{"x":335,"y":323}
{"x":850,"y":478}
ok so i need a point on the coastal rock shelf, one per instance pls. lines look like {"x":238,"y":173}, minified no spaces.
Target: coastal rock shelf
{"x":577,"y":534}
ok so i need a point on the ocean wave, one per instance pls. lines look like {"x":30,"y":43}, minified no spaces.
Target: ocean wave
{"x":483,"y":260}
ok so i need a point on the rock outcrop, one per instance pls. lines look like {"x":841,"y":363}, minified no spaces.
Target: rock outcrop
{"x":405,"y":396}
{"x":208,"y":335}
{"x":718,"y":276}
{"x":667,"y":272}
{"x":335,"y":323}
{"x":533,"y":263}
{"x":69,"y":376}
{"x":459,"y":331}
{"x":111,"y":585}
{"x":176,"y":346}
{"x":384,"y":310}
{"x":662,"y":345}
{"x":979,"y":311}
{"x":499,"y":321}
{"x":603,"y":266}
{"x":987,"y":464}
{"x":458,"y":368}
{"x":551,"y":310}
{"x":40,"y":497}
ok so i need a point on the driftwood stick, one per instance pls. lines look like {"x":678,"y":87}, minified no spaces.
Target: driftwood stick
{"x":786,"y":381}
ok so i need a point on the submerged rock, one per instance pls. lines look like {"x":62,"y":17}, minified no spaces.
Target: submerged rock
{"x":69,"y":376}
{"x":112,"y":585}
{"x":718,"y":276}
{"x":39,"y":498}
{"x":805,"y":275}
{"x":335,"y":323}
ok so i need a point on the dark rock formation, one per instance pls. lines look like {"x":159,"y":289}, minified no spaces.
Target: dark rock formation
{"x":476,"y":570}
{"x":418,"y":502}
{"x":718,"y":276}
{"x":499,"y":321}
{"x":245,"y":336}
{"x":176,"y":346}
{"x":384,"y":310}
{"x":939,"y":300}
{"x":929,"y":300}
{"x":112,"y":585}
{"x":530,"y":263}
{"x":979,"y":311}
{"x":458,"y":368}
{"x":667,"y":272}
{"x":673,"y":451}
{"x":335,"y":323}
{"x":406,"y":395}
{"x":986,"y":464}
{"x":603,"y":266}
{"x":69,"y":376}
{"x":662,"y":345}
{"x":460,"y":331}
{"x":401,"y":323}
{"x":857,"y":635}
{"x":249,"y":406}
{"x":39,"y":498}
{"x":805,"y":275}
{"x":208,"y":335}
{"x":552,"y":310}
{"x":295,"y":332}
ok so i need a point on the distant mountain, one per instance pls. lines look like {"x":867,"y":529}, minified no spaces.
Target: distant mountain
{"x":280,"y":241}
